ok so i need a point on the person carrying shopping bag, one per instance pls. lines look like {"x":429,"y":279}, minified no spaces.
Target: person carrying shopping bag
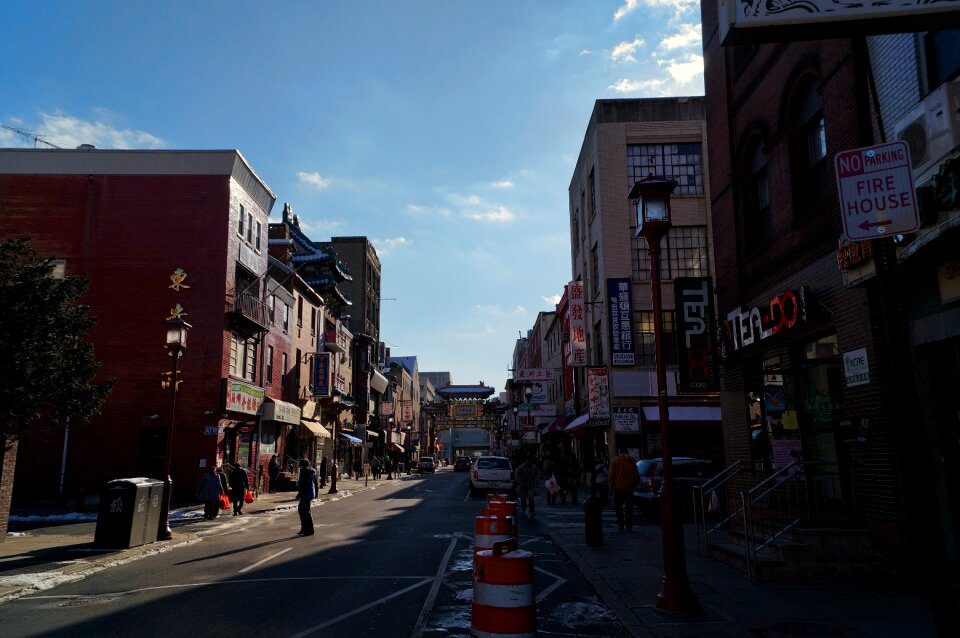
{"x":307,"y":489}
{"x":239,"y":483}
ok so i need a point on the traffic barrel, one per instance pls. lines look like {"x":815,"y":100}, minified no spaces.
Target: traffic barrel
{"x":507,"y":508}
{"x":489,"y":530}
{"x":502,"y":513}
{"x":504,"y":603}
{"x":497,"y":498}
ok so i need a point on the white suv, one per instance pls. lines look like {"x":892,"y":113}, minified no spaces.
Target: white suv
{"x":491,"y":473}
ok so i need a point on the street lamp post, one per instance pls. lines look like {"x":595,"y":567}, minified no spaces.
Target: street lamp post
{"x":651,"y":199}
{"x":176,"y":343}
{"x":528,"y":395}
{"x":335,"y":465}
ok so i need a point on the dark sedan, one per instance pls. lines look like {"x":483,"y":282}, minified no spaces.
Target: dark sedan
{"x":461,"y":464}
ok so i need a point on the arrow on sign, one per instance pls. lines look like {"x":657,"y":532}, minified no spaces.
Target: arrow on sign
{"x":868,"y":225}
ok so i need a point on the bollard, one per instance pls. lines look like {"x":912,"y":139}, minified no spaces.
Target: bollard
{"x":489,"y":530}
{"x":504,"y":602}
{"x":593,"y":520}
{"x":503,"y":510}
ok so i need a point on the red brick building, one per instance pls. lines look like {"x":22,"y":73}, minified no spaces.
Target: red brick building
{"x":158,"y":233}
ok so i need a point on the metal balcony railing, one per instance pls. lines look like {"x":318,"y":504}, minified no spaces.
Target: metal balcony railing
{"x":250,"y":308}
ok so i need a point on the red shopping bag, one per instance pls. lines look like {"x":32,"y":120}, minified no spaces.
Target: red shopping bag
{"x":224,"y":502}
{"x":248,"y":497}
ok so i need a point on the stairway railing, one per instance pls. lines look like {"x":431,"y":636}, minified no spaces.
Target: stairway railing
{"x":709,"y":503}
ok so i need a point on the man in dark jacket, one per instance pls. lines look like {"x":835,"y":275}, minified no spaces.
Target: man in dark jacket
{"x":273,"y":469}
{"x":307,"y":489}
{"x":239,"y":483}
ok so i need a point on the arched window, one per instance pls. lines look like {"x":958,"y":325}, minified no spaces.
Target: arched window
{"x":809,"y":141}
{"x":755,"y":198}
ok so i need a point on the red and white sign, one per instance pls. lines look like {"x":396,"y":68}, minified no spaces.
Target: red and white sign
{"x":877,"y":195}
{"x":578,"y":326}
{"x":598,"y":393}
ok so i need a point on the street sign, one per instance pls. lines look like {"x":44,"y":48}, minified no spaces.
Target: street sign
{"x":877,"y":195}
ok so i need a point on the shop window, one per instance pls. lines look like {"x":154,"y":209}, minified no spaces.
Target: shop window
{"x":683,"y":253}
{"x":243,"y":219}
{"x":269,"y":364}
{"x":680,"y":162}
{"x":942,"y":54}
{"x":283,"y":371}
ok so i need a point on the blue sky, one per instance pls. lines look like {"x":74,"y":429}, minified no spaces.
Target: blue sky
{"x":445,"y":131}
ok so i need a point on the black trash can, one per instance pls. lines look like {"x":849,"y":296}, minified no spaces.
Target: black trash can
{"x":125,"y":509}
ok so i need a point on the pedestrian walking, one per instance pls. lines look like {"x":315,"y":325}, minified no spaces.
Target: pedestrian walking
{"x":375,"y":467}
{"x":389,"y":463}
{"x":208,"y":493}
{"x":357,"y":466}
{"x":624,"y":479}
{"x":223,"y":482}
{"x":239,"y":484}
{"x":573,"y":478}
{"x":527,"y":477}
{"x":273,"y":470}
{"x":307,"y":489}
{"x":323,"y":472}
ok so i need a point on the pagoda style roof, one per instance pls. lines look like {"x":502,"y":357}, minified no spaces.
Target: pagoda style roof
{"x":465,"y":392}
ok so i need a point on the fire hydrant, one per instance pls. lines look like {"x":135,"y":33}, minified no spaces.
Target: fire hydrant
{"x":593,"y":520}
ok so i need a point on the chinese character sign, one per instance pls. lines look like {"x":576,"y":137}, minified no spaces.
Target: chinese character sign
{"x":242,"y":397}
{"x":598,"y":392}
{"x":534,"y":374}
{"x":407,"y":415}
{"x":620,"y":314}
{"x":578,"y":326}
{"x":694,"y":304}
{"x":321,"y":374}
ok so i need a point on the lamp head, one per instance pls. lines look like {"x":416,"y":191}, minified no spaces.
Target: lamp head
{"x":650,"y":198}
{"x":177,"y":333}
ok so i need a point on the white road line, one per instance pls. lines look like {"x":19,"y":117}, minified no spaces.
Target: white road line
{"x":546,"y":592}
{"x":432,"y":596}
{"x":356,"y":611}
{"x":268,"y":558}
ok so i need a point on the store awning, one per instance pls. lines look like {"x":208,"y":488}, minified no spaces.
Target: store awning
{"x":555,"y":426}
{"x":378,"y":382}
{"x":274,"y":410}
{"x":352,"y":439}
{"x":683,"y":413}
{"x":396,"y":447}
{"x":318,"y":430}
{"x":578,"y":423}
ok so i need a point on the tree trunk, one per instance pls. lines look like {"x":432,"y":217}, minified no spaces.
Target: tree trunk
{"x":8,"y":464}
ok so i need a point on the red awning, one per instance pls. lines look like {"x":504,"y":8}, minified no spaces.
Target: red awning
{"x":555,"y":426}
{"x":577,"y":424}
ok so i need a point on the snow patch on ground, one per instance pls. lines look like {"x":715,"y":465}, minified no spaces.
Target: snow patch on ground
{"x":71,"y":517}
{"x":589,"y":611}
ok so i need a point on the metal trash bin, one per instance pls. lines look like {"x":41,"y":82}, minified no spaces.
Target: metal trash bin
{"x":154,"y":506}
{"x":125,"y":513}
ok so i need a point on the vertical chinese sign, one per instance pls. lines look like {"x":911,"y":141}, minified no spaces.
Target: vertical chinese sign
{"x":578,"y":326}
{"x":697,"y":365}
{"x":598,"y":393}
{"x":321,"y":374}
{"x":620,"y":314}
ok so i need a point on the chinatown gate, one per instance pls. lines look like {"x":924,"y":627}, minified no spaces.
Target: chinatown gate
{"x":464,"y":423}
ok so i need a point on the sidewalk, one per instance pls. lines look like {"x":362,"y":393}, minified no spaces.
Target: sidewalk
{"x":62,"y":550}
{"x":627,"y":569}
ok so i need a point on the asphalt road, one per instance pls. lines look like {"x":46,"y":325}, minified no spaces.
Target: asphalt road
{"x":392,"y":561}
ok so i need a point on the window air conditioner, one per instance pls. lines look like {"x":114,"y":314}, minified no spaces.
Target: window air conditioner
{"x":932,"y":128}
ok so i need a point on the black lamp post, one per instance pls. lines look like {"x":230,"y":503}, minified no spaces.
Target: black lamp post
{"x":176,"y":343}
{"x":335,"y":463}
{"x":528,"y":395}
{"x":651,"y":199}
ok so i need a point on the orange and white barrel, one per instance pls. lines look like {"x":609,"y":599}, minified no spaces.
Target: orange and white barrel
{"x":507,"y":509}
{"x":489,"y":530}
{"x":504,"y":601}
{"x":497,"y":498}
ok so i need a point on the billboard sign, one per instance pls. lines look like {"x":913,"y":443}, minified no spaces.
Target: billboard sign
{"x":695,"y":353}
{"x":598,"y":392}
{"x":626,"y":419}
{"x":533,"y":374}
{"x":877,"y":195}
{"x":620,"y":314}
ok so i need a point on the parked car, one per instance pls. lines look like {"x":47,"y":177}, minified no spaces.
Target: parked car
{"x":425,"y":465}
{"x":491,"y":473}
{"x":687,"y":472}
{"x":461,"y":464}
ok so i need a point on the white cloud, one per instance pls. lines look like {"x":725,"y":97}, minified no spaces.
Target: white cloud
{"x":314,"y":180}
{"x":553,"y":299}
{"x":519,"y":310}
{"x":505,"y":183}
{"x":498,"y":214}
{"x":685,"y":70}
{"x":385,"y":246}
{"x":469,"y":200}
{"x":636,"y":86}
{"x":624,"y":51}
{"x":627,"y":7}
{"x":687,"y":35}
{"x":67,"y":131}
{"x":586,"y":52}
{"x":413,"y":209}
{"x":324,"y":226}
